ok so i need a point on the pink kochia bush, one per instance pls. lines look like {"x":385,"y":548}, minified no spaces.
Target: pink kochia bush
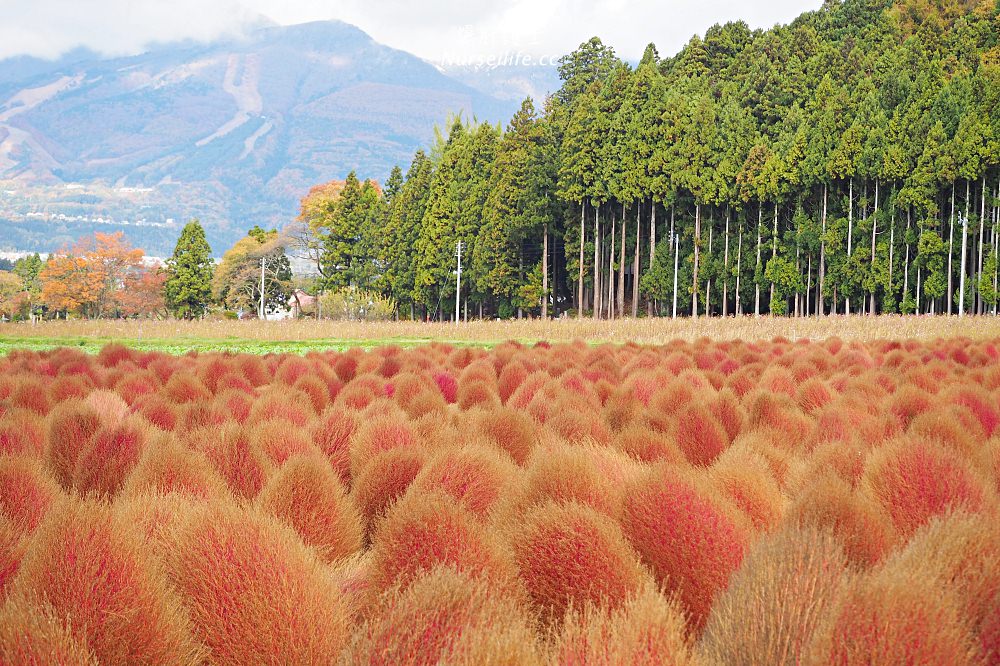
{"x":691,"y":540}
{"x":694,"y":503}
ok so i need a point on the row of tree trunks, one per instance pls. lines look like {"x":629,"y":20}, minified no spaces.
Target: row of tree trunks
{"x":608,"y":295}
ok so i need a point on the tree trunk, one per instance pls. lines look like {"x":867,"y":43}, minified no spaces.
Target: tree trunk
{"x":611,"y":272}
{"x":708,"y":283}
{"x":774,"y":249}
{"x":635,"y":266}
{"x":725,"y":271}
{"x":918,"y":289}
{"x":965,"y":235}
{"x":739,"y":269}
{"x":906,"y":261}
{"x":675,"y":248}
{"x":892,"y":242}
{"x":822,"y":260}
{"x":677,"y":253}
{"x":697,"y":238}
{"x":979,"y":270}
{"x":579,"y":298}
{"x":545,"y":275}
{"x":996,"y":250}
{"x":597,"y":265}
{"x":809,"y":277}
{"x":850,"y":234}
{"x":798,"y":271}
{"x":520,"y":276}
{"x":951,"y":249}
{"x":756,"y":284}
{"x":621,"y":275}
{"x":871,"y":303}
{"x":652,"y":247}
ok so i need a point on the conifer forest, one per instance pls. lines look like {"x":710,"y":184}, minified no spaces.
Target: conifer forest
{"x":844,"y":163}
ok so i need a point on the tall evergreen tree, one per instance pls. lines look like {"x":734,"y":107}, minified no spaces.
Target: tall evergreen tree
{"x":188,"y":287}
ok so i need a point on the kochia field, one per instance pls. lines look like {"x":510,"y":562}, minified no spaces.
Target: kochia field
{"x":692,"y":503}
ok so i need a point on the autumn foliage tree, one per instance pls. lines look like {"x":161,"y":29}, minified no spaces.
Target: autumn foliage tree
{"x":99,"y":276}
{"x":11,"y":294}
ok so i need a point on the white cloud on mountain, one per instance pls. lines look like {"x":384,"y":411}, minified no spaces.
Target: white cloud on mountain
{"x":432,"y":29}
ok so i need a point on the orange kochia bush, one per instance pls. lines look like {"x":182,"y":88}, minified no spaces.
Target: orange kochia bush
{"x":692,"y":503}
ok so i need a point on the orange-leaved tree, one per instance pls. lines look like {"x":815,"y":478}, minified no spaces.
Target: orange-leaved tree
{"x":143,"y":295}
{"x":92,"y":276}
{"x":11,"y":294}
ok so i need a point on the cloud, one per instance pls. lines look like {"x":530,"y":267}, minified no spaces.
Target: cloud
{"x":433,"y":29}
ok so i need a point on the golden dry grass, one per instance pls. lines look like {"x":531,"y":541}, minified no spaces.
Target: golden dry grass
{"x":213,"y":334}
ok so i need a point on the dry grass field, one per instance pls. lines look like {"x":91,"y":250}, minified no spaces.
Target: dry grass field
{"x":697,"y":503}
{"x":305,"y":335}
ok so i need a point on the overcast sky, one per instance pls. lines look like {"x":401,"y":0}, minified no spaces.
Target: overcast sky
{"x":433,"y":29}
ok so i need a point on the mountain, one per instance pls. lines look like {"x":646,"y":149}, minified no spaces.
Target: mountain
{"x":509,"y":82}
{"x":233,"y":132}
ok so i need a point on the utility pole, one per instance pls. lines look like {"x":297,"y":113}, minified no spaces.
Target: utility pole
{"x":458,"y":280}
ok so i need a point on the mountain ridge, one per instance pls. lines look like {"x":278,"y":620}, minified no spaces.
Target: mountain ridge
{"x":233,"y":131}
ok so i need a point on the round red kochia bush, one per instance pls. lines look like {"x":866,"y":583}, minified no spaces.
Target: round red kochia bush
{"x":97,"y":574}
{"x":167,"y":466}
{"x":21,"y":432}
{"x":109,"y":405}
{"x":700,"y":435}
{"x":894,"y":616}
{"x":196,"y":415}
{"x":307,"y":495}
{"x":509,"y":429}
{"x":954,"y":426}
{"x":103,"y":465}
{"x":445,"y":617}
{"x":859,"y":523}
{"x":776,"y":599}
{"x":277,"y":441}
{"x":568,"y":555}
{"x":423,"y":530}
{"x":185,"y":387}
{"x":31,"y":633}
{"x":242,"y":466}
{"x":746,"y":479}
{"x":648,"y":445}
{"x":31,"y":394}
{"x":332,"y":433}
{"x":69,"y":386}
{"x":361,"y":392}
{"x":70,"y":427}
{"x":159,"y":411}
{"x":473,"y":392}
{"x":510,"y":378}
{"x":26,"y":491}
{"x":648,"y":630}
{"x":378,"y":434}
{"x":255,"y":592}
{"x":293,"y":409}
{"x":563,"y":472}
{"x":477,"y":477}
{"x":447,"y":385}
{"x":916,"y":479}
{"x":691,"y":539}
{"x":577,"y":422}
{"x":12,"y":547}
{"x":383,"y":481}
{"x":989,"y":633}
{"x":961,"y":552}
